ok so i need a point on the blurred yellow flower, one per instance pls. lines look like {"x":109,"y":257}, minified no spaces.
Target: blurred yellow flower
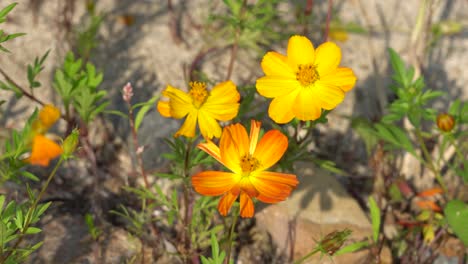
{"x":305,"y":81}
{"x":199,"y":104}
{"x":247,"y":159}
{"x":47,"y":117}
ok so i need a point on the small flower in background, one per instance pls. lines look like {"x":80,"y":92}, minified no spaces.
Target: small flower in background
{"x":47,"y":117}
{"x":199,"y":104}
{"x":247,"y":159}
{"x":445,"y":122}
{"x":127,"y":92}
{"x":305,"y":81}
{"x":43,"y":150}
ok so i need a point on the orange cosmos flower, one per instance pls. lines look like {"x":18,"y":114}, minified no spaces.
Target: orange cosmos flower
{"x":305,"y":81}
{"x":199,"y":104}
{"x":47,"y":117}
{"x":43,"y":150}
{"x":247,"y":158}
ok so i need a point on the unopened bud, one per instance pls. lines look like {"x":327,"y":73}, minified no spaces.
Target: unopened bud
{"x":127,"y":92}
{"x":334,"y":241}
{"x":445,"y":122}
{"x":70,"y":143}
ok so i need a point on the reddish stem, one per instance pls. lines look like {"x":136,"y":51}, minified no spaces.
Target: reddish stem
{"x":327,"y":25}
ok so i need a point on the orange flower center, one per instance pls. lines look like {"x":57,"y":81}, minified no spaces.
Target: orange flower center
{"x":249,"y":163}
{"x":198,"y":93}
{"x":307,"y":74}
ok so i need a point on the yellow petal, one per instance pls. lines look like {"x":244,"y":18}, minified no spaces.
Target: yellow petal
{"x":188,"y":128}
{"x":328,"y":96}
{"x":180,"y":103}
{"x":234,"y":144}
{"x":43,"y":150}
{"x":280,"y":109}
{"x":342,"y":77}
{"x":272,"y":86}
{"x":275,"y":64}
{"x":164,"y":109}
{"x":270,"y":149}
{"x":300,"y":51}
{"x":213,"y":183}
{"x":306,"y":106}
{"x":225,"y":203}
{"x":209,"y":128}
{"x":247,"y":208}
{"x":223,"y":102}
{"x":272,"y":186}
{"x":211,"y":148}
{"x":327,"y":58}
{"x":254,"y":133}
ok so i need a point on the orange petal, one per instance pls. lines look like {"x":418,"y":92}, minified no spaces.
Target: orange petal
{"x":225,"y":203}
{"x":233,"y":145}
{"x":273,"y":187}
{"x":280,"y":109}
{"x":425,"y":204}
{"x":213,"y":183}
{"x":223,"y":102}
{"x":48,"y":115}
{"x":342,"y":77}
{"x":164,"y":109}
{"x":327,"y":58}
{"x":273,"y":86}
{"x":247,"y":208}
{"x":270,"y":149}
{"x":43,"y":150}
{"x":211,"y":148}
{"x":276,"y":64}
{"x":254,"y":133}
{"x":306,"y":106}
{"x":188,"y":128}
{"x":300,"y":51}
{"x":209,"y":127}
{"x":431,"y":192}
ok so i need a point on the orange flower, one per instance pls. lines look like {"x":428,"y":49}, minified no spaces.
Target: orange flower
{"x":47,"y":117}
{"x":247,"y":159}
{"x":430,"y":205}
{"x":43,"y":150}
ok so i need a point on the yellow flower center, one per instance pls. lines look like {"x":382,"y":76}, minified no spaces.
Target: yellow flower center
{"x":249,"y":163}
{"x":198,"y":93}
{"x":307,"y":74}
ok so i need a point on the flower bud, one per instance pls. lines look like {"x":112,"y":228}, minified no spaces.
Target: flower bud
{"x":127,"y":92}
{"x":70,"y":143}
{"x":334,"y":241}
{"x":445,"y":122}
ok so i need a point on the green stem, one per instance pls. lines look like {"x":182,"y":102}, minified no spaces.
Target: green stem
{"x":231,"y":234}
{"x":187,"y":199}
{"x":299,"y":261}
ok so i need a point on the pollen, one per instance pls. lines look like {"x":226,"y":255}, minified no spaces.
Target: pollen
{"x":307,"y":74}
{"x":249,"y":163}
{"x":198,"y":93}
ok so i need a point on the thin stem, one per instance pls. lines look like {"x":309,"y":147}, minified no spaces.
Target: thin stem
{"x":31,"y":211}
{"x":187,"y":230}
{"x":327,"y":25}
{"x":307,"y":12}
{"x":235,"y":45}
{"x":231,"y":234}
{"x":23,"y":91}
{"x":299,"y":261}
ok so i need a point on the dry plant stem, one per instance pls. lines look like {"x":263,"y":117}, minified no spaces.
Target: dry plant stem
{"x":235,"y":45}
{"x":430,"y":161}
{"x":231,"y":234}
{"x":327,"y":25}
{"x":31,"y":210}
{"x":173,"y":27}
{"x":188,"y":201}
{"x":307,"y":12}
{"x":23,"y":91}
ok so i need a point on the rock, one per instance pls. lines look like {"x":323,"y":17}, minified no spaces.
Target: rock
{"x":317,"y":207}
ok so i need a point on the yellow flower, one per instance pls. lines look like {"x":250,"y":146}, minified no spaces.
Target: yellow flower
{"x":305,"y":81}
{"x":199,"y":104}
{"x":43,"y":150}
{"x":247,"y":159}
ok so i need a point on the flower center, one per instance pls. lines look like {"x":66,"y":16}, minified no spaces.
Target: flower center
{"x":249,"y":163}
{"x":198,"y":93}
{"x":307,"y":74}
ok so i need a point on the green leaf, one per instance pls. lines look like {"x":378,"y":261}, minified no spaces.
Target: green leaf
{"x":6,"y":10}
{"x":30,"y":176}
{"x":143,"y":110}
{"x":375,"y":219}
{"x":115,"y":112}
{"x":456,"y":213}
{"x":399,"y":67}
{"x":352,"y":248}
{"x":33,"y":230}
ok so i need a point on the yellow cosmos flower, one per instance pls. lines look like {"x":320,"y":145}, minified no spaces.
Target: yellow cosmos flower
{"x":305,"y":81}
{"x":199,"y":104}
{"x":247,"y":158}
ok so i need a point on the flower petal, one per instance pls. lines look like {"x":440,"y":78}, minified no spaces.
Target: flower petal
{"x":341,"y":77}
{"x":307,"y":105}
{"x":48,"y":115}
{"x":211,"y":148}
{"x":328,"y":96}
{"x":254,"y":133}
{"x":272,"y":186}
{"x":188,"y":128}
{"x":225,"y":203}
{"x":270,"y":149}
{"x":300,"y":51}
{"x":247,"y":208}
{"x":276,"y":64}
{"x":164,"y":109}
{"x":280,"y":109}
{"x":180,"y":102}
{"x":272,"y":86}
{"x":223,"y":101}
{"x":209,"y":127}
{"x":43,"y":150}
{"x":234,"y":144}
{"x":327,"y":58}
{"x":213,"y":183}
